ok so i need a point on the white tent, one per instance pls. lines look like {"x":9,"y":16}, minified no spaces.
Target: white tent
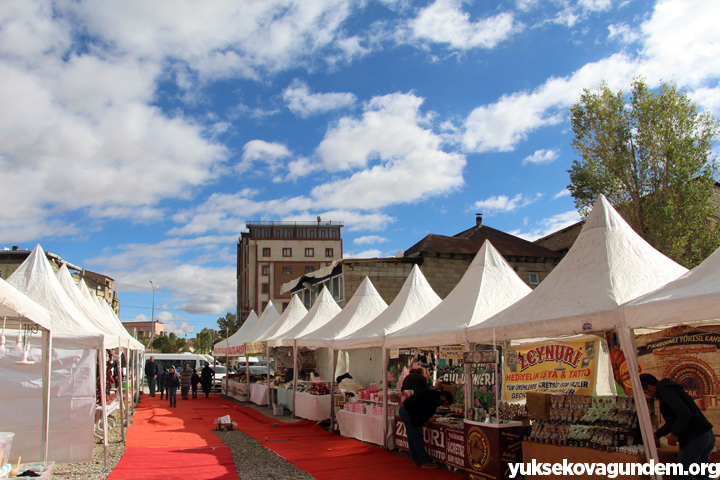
{"x":229,"y":346}
{"x":692,"y":298}
{"x":17,"y":309}
{"x":104,"y":308}
{"x":74,"y":364}
{"x":267,"y":319}
{"x":488,"y":286}
{"x":323,"y":310}
{"x":415,"y":299}
{"x":363,"y":307}
{"x":608,"y":265}
{"x":292,"y":315}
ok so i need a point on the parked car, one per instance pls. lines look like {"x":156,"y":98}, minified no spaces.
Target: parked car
{"x":220,"y":373}
{"x":259,"y":369}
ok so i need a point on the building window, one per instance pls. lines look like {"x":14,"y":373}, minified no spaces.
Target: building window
{"x":285,"y":305}
{"x":328,"y":252}
{"x":534,"y":278}
{"x":266,"y":252}
{"x":287,"y":252}
{"x":287,"y":270}
{"x":266,"y":270}
{"x":309,"y":269}
{"x":264,"y":306}
{"x":309,"y":252}
{"x":265,"y":288}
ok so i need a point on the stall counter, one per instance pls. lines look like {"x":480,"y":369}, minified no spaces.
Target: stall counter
{"x":312,"y":407}
{"x":259,"y":394}
{"x":444,"y":444}
{"x":364,"y":427}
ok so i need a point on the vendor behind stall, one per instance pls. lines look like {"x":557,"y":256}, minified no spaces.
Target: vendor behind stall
{"x":415,"y":381}
{"x":415,"y":412}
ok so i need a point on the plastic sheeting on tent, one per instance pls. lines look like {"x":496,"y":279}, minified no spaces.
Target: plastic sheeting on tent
{"x":323,"y":310}
{"x":73,"y":381}
{"x":229,"y":347}
{"x":415,"y":299}
{"x":292,"y":315}
{"x":692,"y":298}
{"x":488,"y":286}
{"x":608,"y":265}
{"x":363,"y":307}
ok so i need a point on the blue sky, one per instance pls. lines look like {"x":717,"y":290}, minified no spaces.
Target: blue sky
{"x":136,"y":138}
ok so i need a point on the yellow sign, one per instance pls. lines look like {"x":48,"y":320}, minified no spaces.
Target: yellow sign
{"x":454,"y":352}
{"x":394,"y":353}
{"x":551,"y":367}
{"x":256,"y":347}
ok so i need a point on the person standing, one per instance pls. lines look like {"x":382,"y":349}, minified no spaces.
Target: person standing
{"x":415,"y":380}
{"x":185,"y":381}
{"x":194,"y":380}
{"x":161,"y":382}
{"x":684,"y":423}
{"x":416,"y":411}
{"x":151,"y":372}
{"x":206,"y":379}
{"x":172,"y":381}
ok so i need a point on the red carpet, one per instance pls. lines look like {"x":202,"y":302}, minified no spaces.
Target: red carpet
{"x":168,"y":443}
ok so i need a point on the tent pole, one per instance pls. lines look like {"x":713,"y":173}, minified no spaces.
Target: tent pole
{"x":46,"y":369}
{"x":103,"y":401}
{"x":629,"y":348}
{"x":295,"y":379}
{"x":467,"y":385}
{"x":120,"y":393}
{"x":385,"y":395}
{"x":247,"y":372}
{"x":332,"y":389}
{"x":271,"y":397}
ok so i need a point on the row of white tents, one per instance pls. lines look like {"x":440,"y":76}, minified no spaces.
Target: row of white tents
{"x":610,"y":279}
{"x":57,"y":393}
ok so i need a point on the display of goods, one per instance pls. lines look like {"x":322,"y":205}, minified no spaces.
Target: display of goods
{"x":317,"y":388}
{"x":513,"y":411}
{"x":606,"y":423}
{"x":354,"y":407}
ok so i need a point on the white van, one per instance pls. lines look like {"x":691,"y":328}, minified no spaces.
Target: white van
{"x":178,"y":360}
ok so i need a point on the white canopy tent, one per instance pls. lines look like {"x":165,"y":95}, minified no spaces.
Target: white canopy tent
{"x":488,"y":286}
{"x":16,"y":309}
{"x":76,"y":344}
{"x":293,"y":314}
{"x":267,"y":319}
{"x":229,"y":346}
{"x":608,"y":265}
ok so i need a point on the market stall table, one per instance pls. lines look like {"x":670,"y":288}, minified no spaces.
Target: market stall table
{"x":364,"y":427}
{"x":259,"y":394}
{"x":284,"y":397}
{"x":312,"y":407}
{"x":444,"y":444}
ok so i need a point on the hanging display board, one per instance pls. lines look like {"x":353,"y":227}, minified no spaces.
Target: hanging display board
{"x":567,"y":367}
{"x":452,"y":352}
{"x":255,"y":347}
{"x":684,"y":354}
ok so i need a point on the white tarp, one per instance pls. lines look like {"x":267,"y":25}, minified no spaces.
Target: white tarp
{"x":608,"y":265}
{"x":488,"y":286}
{"x":694,"y":297}
{"x":293,"y":314}
{"x":16,"y":305}
{"x":415,"y":299}
{"x":221,"y":348}
{"x":363,"y":307}
{"x":267,"y":319}
{"x":323,"y":310}
{"x":105,"y":309}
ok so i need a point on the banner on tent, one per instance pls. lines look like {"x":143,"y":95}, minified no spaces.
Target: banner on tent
{"x":255,"y":347}
{"x":566,"y":367}
{"x":684,"y":354}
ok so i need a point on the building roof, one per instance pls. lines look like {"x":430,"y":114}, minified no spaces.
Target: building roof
{"x":469,"y":242}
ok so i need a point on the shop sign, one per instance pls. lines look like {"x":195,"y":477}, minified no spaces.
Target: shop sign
{"x":553,"y":367}
{"x":444,"y":445}
{"x":454,"y":352}
{"x":255,"y":347}
{"x":489,"y":450}
{"x":394,"y":353}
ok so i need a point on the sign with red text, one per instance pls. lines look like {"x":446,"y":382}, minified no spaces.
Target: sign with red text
{"x":566,"y":367}
{"x":444,"y":445}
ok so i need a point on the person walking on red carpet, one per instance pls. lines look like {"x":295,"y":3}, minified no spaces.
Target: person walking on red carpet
{"x":206,"y":379}
{"x":194,"y":380}
{"x":151,"y":372}
{"x":185,"y":380}
{"x":172,"y":381}
{"x":161,"y":382}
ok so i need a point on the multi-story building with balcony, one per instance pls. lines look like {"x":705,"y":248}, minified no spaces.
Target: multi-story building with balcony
{"x":272,"y":253}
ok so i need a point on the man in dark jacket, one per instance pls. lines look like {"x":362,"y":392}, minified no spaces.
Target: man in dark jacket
{"x":415,"y":412}
{"x":684,"y":423}
{"x":415,"y":381}
{"x":151,"y":372}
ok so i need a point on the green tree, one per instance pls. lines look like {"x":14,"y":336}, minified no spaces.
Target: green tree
{"x":229,"y":322}
{"x":168,"y":344}
{"x":203,"y":342}
{"x":650,"y":155}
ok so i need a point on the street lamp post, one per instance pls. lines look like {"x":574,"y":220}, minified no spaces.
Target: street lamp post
{"x":152,"y":337}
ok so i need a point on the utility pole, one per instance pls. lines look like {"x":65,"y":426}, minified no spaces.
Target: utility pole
{"x":152,"y":337}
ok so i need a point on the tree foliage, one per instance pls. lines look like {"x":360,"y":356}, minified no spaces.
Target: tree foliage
{"x":650,"y":155}
{"x":204,"y":342}
{"x":230,"y":322}
{"x":167,"y":344}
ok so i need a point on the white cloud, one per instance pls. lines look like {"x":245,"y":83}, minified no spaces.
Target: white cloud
{"x":303,"y":103}
{"x":623,"y":33}
{"x":180,"y":330}
{"x":503,"y":203}
{"x":443,"y":21}
{"x":363,"y":254}
{"x":369,"y":239}
{"x":549,"y":225}
{"x":541,"y":157}
{"x":562,"y":193}
{"x":262,"y":151}
{"x":595,"y":5}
